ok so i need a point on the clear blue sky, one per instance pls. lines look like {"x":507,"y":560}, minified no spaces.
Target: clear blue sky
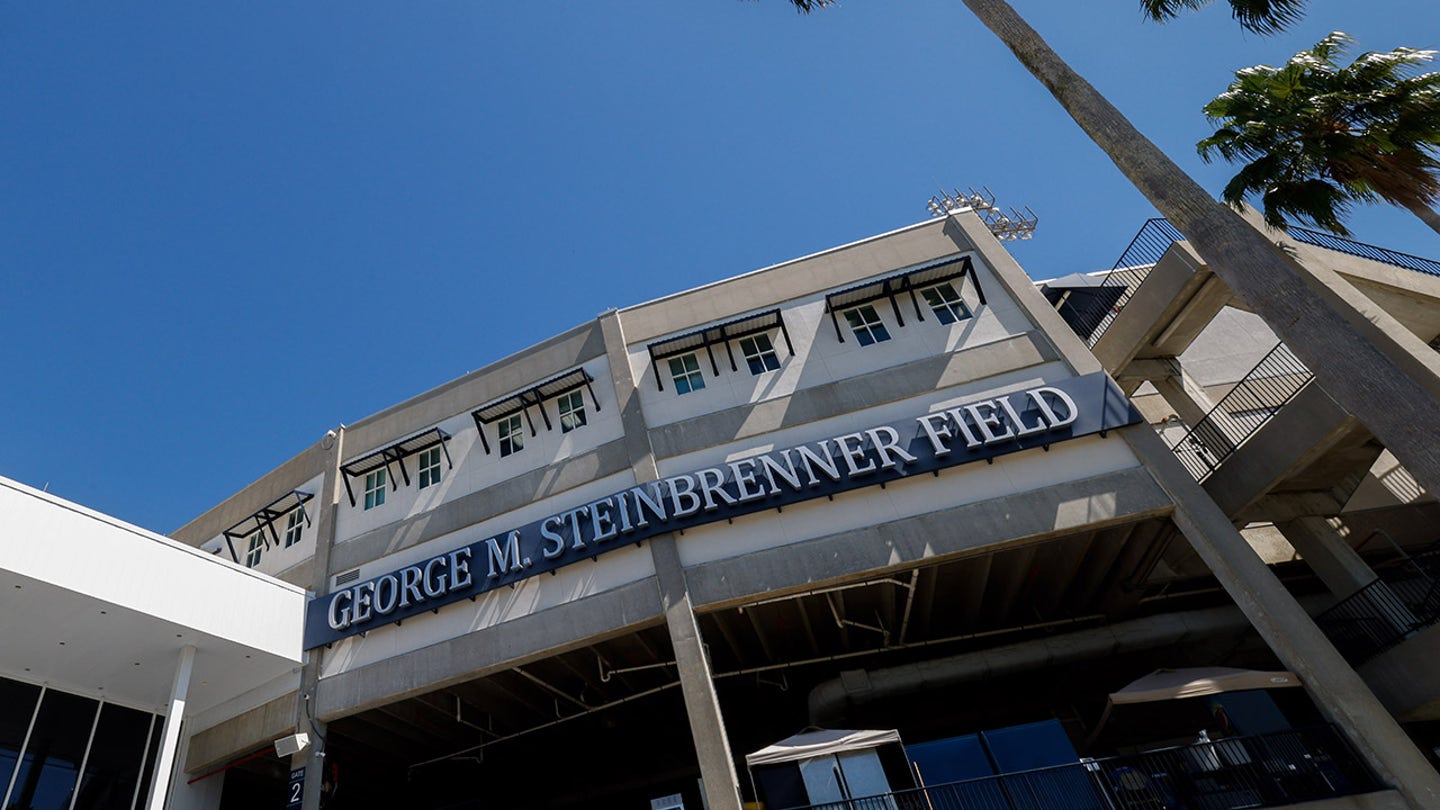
{"x":226,"y":228}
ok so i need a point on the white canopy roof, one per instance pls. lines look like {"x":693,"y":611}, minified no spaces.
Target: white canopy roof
{"x":820,"y":743}
{"x":1172,"y":684}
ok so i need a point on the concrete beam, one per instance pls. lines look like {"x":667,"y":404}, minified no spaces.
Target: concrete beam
{"x":967,"y":231}
{"x":1185,"y":396}
{"x":1148,"y":369}
{"x":241,"y":734}
{"x":1406,"y":677}
{"x":1301,"y":432}
{"x":1160,"y":299}
{"x":1279,"y":507}
{"x":328,"y":507}
{"x":1328,"y":555}
{"x":473,"y":655}
{"x":1289,"y":631}
{"x":1086,"y":505}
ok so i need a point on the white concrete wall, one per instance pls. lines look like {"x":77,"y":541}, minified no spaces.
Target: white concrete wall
{"x":612,"y":569}
{"x":819,"y":356}
{"x":917,"y":495}
{"x":474,"y":470}
{"x":277,"y":559}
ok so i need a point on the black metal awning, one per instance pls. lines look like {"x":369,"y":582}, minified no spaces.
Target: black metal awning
{"x":536,"y":395}
{"x":907,"y":282}
{"x":396,"y":454}
{"x":724,"y":333}
{"x":265,"y":517}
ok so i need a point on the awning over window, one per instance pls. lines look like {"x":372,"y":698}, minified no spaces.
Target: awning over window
{"x":907,"y":282}
{"x":265,"y":518}
{"x":396,"y":454}
{"x":534,"y":395}
{"x":708,"y":337}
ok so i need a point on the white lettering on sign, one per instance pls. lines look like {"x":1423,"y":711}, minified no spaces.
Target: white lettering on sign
{"x":740,"y":486}
{"x":431,"y":580}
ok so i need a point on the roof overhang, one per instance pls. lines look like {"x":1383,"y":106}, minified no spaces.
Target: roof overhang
{"x":99,"y":607}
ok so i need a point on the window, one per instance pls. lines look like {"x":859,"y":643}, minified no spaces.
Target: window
{"x":294,"y":525}
{"x":946,"y":303}
{"x":685,"y":372}
{"x":375,"y":488}
{"x":866,"y":324}
{"x":256,"y":549}
{"x":512,"y":438}
{"x":572,"y":411}
{"x":429,"y":467}
{"x":759,"y":353}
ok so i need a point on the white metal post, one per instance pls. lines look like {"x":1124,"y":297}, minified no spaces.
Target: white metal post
{"x":170,"y":734}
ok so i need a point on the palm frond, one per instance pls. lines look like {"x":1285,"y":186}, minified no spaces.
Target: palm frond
{"x":1260,"y":16}
{"x":807,"y":6}
{"x":1316,"y":137}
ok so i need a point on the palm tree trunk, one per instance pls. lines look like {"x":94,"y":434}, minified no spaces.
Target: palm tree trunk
{"x":1427,"y":215}
{"x":1395,"y":393}
{"x":1398,"y":400}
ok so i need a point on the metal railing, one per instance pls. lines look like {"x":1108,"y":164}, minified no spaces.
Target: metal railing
{"x":1266,"y":770}
{"x":1274,"y":381}
{"x":1156,"y":237}
{"x":1378,"y":254}
{"x":1382,"y":614}
{"x":1130,"y":269}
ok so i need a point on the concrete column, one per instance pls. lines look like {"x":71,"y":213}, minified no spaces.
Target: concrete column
{"x":1342,"y":570}
{"x":702,"y":705}
{"x":1288,"y":630}
{"x":1328,"y":555}
{"x":312,"y":759}
{"x":1192,"y":404}
{"x":170,"y":732}
{"x":1184,"y":395}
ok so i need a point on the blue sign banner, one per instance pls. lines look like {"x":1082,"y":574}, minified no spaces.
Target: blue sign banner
{"x":980,"y":429}
{"x":295,"y":791}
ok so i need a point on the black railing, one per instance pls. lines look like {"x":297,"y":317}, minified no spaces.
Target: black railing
{"x":1130,"y":269}
{"x":1382,"y":614}
{"x":1156,"y":237}
{"x":1274,"y":381}
{"x":1267,"y":770}
{"x":1378,"y":254}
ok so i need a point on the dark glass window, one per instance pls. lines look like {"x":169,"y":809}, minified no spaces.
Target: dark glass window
{"x":113,"y":767}
{"x":51,"y":764}
{"x":17,"y":706}
{"x":147,"y":770}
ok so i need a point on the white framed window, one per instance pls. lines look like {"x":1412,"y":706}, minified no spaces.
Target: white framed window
{"x":572,"y":411}
{"x":945,"y":302}
{"x":685,"y":372}
{"x":294,"y":527}
{"x":256,"y":549}
{"x":429,"y":467}
{"x":759,"y":354}
{"x":866,"y":324}
{"x":375,"y":488}
{"x":512,"y":437}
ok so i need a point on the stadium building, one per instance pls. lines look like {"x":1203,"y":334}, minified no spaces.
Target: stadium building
{"x":887,"y":526}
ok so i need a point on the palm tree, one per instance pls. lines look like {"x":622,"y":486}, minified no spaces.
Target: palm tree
{"x":1260,"y":16}
{"x":1397,"y":399}
{"x":1318,"y":137}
